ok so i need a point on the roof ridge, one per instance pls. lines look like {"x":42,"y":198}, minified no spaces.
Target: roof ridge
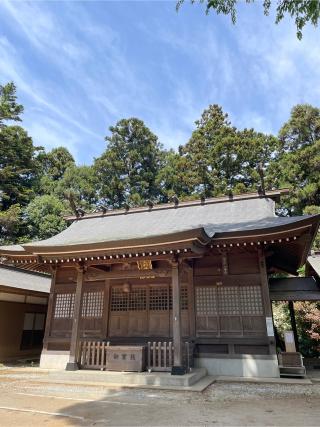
{"x":273,"y":194}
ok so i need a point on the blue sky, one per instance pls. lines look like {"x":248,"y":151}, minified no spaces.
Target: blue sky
{"x":81,"y":66}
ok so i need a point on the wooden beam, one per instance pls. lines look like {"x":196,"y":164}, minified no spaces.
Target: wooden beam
{"x":296,"y":296}
{"x":72,"y":365}
{"x":126,"y":274}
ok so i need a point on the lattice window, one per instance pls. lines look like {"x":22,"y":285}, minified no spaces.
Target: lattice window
{"x":119,"y":300}
{"x":206,"y":301}
{"x":251,"y":300}
{"x":92,"y":304}
{"x":183,"y":298}
{"x":228,"y":300}
{"x":64,"y":306}
{"x":158,"y":299}
{"x":138,"y":299}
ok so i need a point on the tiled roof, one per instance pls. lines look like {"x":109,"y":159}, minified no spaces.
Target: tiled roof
{"x":18,"y":279}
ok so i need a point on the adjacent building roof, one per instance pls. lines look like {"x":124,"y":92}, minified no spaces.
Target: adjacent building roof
{"x":11,"y":277}
{"x":294,"y":289}
{"x":313,"y":265}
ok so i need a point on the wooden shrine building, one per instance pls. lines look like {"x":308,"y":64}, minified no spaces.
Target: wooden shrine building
{"x":23,"y":307}
{"x":187,"y":281}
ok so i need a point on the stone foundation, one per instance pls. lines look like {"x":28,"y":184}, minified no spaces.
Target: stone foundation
{"x":54,"y":359}
{"x":264,"y":366}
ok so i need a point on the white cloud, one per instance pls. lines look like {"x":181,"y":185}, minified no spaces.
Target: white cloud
{"x":257,"y":71}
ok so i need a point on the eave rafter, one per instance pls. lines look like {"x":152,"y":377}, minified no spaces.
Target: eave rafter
{"x":105,"y":259}
{"x":260,"y":239}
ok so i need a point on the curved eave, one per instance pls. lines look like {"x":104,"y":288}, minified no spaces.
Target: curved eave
{"x":289,"y":243}
{"x":13,"y":250}
{"x":296,"y":226}
{"x":192,"y":239}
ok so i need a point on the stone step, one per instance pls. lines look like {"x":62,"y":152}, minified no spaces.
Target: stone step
{"x":294,"y":371}
{"x":161,"y":379}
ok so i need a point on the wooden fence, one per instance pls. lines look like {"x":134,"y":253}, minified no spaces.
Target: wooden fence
{"x":159,"y":355}
{"x":93,"y":354}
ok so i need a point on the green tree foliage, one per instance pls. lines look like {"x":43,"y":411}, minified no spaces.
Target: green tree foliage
{"x":52,"y":166}
{"x":221,"y":158}
{"x":314,"y":210}
{"x":9,"y":109}
{"x":44,"y":217}
{"x":78,"y":186}
{"x":302,"y":11}
{"x":17,"y":153}
{"x":127,"y":170}
{"x":307,"y":316}
{"x":298,"y":164}
{"x":17,"y":166}
{"x":56,"y":162}
{"x":11,"y":225}
{"x":302,"y":129}
{"x":211,"y":145}
{"x":175,"y":177}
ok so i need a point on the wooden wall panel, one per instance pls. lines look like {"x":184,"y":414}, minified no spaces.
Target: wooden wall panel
{"x":66,"y":275}
{"x":137,"y":323}
{"x":243,"y":263}
{"x":208,"y":265}
{"x":93,"y":306}
{"x":230,"y":325}
{"x":229,"y":301}
{"x":159,"y":324}
{"x":61,"y":327}
{"x":118,"y":325}
{"x":254,"y":325}
{"x":232,"y":322}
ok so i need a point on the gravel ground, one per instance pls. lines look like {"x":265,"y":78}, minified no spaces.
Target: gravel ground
{"x":24,"y":401}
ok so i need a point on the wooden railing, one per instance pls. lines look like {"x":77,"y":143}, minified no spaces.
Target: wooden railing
{"x":159,"y":355}
{"x":93,"y":354}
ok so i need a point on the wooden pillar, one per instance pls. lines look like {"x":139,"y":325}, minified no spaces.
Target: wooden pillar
{"x":293,"y":324}
{"x":50,"y":308}
{"x":177,"y":368}
{"x":105,"y":327}
{"x":72,"y":365}
{"x":191,"y":302}
{"x":266,"y":301}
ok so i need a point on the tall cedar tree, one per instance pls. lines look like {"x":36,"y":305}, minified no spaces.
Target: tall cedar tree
{"x":9,"y":109}
{"x":127,"y":170}
{"x":17,"y":153}
{"x":52,"y":166}
{"x":222,"y":159}
{"x":298,"y":164}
